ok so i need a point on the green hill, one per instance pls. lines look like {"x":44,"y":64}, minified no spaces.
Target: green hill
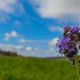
{"x":18,"y":68}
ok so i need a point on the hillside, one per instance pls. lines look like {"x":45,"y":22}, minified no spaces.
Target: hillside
{"x":18,"y":68}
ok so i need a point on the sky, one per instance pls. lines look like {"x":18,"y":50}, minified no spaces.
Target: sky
{"x":32,"y":27}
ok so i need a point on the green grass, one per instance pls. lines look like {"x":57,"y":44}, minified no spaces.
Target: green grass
{"x":17,"y":68}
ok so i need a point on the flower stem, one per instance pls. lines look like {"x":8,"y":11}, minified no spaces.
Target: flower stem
{"x":77,"y":66}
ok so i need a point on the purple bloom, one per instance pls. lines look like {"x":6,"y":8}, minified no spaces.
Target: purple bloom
{"x":67,"y":45}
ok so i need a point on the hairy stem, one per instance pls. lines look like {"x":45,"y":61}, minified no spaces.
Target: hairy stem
{"x":77,"y":66}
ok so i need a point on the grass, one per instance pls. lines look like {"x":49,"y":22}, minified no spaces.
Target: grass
{"x":17,"y":68}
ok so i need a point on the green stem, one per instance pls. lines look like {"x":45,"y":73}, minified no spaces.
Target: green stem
{"x":77,"y":66}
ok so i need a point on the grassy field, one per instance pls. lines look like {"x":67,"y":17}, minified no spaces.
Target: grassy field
{"x":17,"y":68}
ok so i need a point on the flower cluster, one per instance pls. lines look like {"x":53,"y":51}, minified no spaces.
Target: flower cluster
{"x":68,"y":44}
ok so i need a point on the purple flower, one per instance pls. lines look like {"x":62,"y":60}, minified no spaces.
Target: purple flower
{"x":67,"y":45}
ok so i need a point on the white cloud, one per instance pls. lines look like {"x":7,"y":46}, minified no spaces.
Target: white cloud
{"x":10,"y":35}
{"x":13,"y":34}
{"x":19,"y":47}
{"x":54,"y":41}
{"x":7,"y":47}
{"x":6,"y":5}
{"x":11,"y":47}
{"x":22,"y":41}
{"x":49,"y":8}
{"x":28,"y":48}
{"x":56,"y":8}
{"x":58,"y":29}
{"x":52,"y":46}
{"x":13,"y":7}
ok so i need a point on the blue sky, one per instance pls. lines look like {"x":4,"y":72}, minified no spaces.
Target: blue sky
{"x":32,"y":27}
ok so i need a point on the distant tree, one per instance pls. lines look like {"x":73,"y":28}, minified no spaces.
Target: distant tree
{"x":8,"y":53}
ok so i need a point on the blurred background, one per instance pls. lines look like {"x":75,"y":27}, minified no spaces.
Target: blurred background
{"x":32,"y":27}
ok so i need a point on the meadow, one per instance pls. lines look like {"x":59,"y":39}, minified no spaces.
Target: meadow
{"x":21,"y":68}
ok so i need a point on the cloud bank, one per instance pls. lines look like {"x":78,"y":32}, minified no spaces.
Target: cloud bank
{"x":57,"y":8}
